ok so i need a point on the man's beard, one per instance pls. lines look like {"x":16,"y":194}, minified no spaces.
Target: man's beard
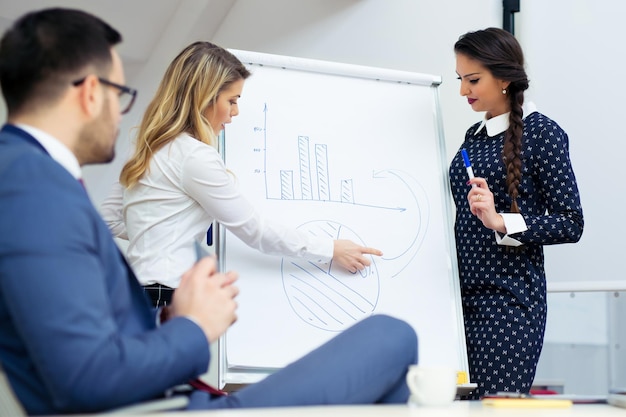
{"x":96,"y":143}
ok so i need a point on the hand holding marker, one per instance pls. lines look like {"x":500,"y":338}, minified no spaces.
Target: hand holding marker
{"x":468,"y":165}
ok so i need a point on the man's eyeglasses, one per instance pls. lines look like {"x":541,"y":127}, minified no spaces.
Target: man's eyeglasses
{"x":127,"y":95}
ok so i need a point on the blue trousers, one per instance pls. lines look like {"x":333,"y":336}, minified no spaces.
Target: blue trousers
{"x":365,"y":364}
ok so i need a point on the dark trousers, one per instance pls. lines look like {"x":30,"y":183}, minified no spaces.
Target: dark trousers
{"x":160,"y":295}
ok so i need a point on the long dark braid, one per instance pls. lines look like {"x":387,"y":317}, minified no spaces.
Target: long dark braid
{"x":511,"y":151}
{"x":502,"y":55}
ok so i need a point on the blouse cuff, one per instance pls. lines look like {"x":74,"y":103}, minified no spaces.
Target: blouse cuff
{"x":514,"y":223}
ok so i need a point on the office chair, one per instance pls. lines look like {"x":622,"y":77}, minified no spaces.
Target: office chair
{"x":10,"y":405}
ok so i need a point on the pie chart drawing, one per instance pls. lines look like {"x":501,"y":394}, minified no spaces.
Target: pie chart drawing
{"x":327,"y":296}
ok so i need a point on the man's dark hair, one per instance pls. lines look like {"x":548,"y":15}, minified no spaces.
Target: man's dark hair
{"x":44,"y":51}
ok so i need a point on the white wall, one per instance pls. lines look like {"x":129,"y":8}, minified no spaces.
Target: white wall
{"x":576,"y":63}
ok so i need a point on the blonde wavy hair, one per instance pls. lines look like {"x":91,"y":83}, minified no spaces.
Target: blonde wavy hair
{"x":192,"y":83}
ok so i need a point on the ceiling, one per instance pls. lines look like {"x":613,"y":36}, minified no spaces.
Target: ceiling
{"x":141,"y":22}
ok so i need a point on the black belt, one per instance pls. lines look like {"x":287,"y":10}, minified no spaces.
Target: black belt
{"x":161,"y":295}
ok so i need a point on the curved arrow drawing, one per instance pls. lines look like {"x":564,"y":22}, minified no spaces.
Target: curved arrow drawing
{"x":415,"y":215}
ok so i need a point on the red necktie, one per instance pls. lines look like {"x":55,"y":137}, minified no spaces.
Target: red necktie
{"x":200,"y":385}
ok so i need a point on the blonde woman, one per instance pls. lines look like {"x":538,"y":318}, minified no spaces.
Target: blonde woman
{"x":176,"y":184}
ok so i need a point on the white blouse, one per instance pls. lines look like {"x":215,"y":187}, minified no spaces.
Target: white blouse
{"x":172,"y":206}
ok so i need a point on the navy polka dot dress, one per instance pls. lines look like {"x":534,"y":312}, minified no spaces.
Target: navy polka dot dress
{"x":503,"y":288}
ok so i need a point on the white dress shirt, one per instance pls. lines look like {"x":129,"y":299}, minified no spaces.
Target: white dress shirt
{"x":187,"y":188}
{"x":57,"y":150}
{"x":513,"y":222}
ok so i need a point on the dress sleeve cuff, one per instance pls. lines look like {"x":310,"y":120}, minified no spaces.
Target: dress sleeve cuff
{"x":514,"y":223}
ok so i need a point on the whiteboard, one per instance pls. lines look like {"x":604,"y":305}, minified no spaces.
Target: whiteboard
{"x":349,"y":152}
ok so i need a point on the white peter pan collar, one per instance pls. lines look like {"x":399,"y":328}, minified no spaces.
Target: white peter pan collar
{"x":499,"y":124}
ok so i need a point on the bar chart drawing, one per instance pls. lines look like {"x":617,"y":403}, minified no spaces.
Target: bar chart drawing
{"x":313,"y":182}
{"x":310,"y":190}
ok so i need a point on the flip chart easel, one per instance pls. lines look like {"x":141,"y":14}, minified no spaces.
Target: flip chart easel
{"x":350,"y":152}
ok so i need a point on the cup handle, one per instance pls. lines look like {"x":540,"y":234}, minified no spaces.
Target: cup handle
{"x":410,"y":380}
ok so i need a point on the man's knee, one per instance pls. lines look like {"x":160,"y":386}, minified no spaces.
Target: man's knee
{"x":396,"y":332}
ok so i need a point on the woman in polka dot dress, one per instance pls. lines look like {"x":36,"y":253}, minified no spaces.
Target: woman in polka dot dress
{"x":524,"y":196}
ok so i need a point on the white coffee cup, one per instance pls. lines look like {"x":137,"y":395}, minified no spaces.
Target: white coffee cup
{"x":431,"y":385}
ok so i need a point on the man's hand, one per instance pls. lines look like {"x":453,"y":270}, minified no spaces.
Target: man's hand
{"x":207,"y":297}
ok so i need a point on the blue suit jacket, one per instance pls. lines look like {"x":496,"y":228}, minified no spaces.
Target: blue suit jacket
{"x":77,"y":333}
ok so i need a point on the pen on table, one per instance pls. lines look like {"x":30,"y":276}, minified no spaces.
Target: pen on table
{"x":468,"y":165}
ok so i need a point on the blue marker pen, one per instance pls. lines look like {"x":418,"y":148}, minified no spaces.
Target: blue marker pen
{"x":468,"y":165}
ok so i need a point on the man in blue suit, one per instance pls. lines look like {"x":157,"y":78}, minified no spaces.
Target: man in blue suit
{"x":77,"y":333}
